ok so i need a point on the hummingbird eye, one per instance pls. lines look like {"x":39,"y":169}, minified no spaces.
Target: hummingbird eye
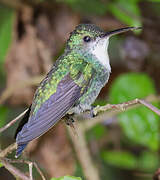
{"x":87,"y":38}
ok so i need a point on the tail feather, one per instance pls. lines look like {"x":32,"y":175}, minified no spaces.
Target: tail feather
{"x":19,"y":150}
{"x":21,"y":147}
{"x":23,"y":122}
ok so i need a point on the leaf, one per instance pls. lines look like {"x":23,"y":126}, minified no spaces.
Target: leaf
{"x":6,"y":19}
{"x":150,"y":157}
{"x":67,"y":178}
{"x":97,"y":132}
{"x":87,"y":7}
{"x":127,"y":12}
{"x":121,"y":159}
{"x":139,"y":124}
{"x":146,"y":161}
{"x":1,"y":165}
{"x":3,"y":115}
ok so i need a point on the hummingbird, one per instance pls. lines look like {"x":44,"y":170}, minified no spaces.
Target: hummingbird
{"x":72,"y":84}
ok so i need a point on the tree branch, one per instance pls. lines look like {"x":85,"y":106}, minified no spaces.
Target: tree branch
{"x":126,"y":105}
{"x":111,"y":110}
{"x":16,"y":172}
{"x":13,"y":121}
{"x":8,"y":150}
{"x":82,"y":151}
{"x":27,"y":162}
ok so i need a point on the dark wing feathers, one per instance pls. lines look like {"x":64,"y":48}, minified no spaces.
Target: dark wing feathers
{"x":23,"y":122}
{"x":67,"y":93}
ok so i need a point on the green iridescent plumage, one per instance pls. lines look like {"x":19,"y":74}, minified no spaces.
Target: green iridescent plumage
{"x":73,"y":61}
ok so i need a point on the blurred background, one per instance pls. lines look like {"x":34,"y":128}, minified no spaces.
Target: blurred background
{"x":33,"y":35}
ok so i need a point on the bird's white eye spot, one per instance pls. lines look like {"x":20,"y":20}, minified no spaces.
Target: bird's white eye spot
{"x":87,"y":39}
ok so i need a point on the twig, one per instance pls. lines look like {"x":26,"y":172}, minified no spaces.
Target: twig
{"x":117,"y":108}
{"x":27,"y":162}
{"x":8,"y":150}
{"x":13,"y":121}
{"x":16,"y":172}
{"x":82,"y":151}
{"x":150,"y":106}
{"x":40,"y":172}
{"x":30,"y":170}
{"x":125,"y":105}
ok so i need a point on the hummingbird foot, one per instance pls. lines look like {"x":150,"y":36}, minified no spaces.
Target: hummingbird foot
{"x":69,"y":120}
{"x":92,"y":112}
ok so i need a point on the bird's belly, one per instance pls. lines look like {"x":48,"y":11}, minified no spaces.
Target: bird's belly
{"x":88,"y":98}
{"x":86,"y":101}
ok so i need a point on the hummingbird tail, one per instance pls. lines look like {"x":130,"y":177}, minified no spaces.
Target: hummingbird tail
{"x":20,"y":149}
{"x":23,"y":122}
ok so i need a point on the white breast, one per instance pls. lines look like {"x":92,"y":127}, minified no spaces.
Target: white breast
{"x":100,"y":50}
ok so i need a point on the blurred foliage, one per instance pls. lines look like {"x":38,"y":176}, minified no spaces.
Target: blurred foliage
{"x":128,"y":13}
{"x":67,"y":178}
{"x":99,"y":131}
{"x":146,"y":157}
{"x":6,"y":19}
{"x":127,"y":160}
{"x":121,"y":159}
{"x":1,"y":165}
{"x":3,"y":112}
{"x":140,"y":125}
{"x":88,"y":7}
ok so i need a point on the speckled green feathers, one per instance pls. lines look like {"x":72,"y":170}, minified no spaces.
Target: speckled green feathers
{"x":70,"y":62}
{"x":49,"y":85}
{"x":76,"y":36}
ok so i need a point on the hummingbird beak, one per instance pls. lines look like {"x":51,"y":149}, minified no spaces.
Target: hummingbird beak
{"x":118,"y":31}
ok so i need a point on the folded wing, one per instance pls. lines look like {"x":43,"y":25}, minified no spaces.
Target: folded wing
{"x":51,"y":111}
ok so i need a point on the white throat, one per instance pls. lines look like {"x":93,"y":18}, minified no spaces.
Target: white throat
{"x":100,"y":50}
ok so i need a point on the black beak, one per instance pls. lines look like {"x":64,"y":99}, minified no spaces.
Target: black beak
{"x":118,"y":31}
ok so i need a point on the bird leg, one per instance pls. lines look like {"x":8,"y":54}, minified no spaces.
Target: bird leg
{"x":69,"y":120}
{"x":92,"y":113}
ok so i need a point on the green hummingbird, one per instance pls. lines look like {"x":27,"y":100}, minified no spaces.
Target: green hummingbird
{"x":72,"y":84}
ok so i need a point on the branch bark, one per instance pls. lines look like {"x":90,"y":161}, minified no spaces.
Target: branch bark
{"x":82,"y":151}
{"x":111,"y":110}
{"x":13,"y":121}
{"x":16,"y":172}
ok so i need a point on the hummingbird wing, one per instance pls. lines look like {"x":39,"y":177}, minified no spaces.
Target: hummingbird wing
{"x":51,"y":111}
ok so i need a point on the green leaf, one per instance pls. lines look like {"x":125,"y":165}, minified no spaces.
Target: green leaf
{"x":120,"y":159}
{"x":67,"y":178}
{"x":1,"y":165}
{"x":97,"y":132}
{"x":6,"y":19}
{"x":148,"y":161}
{"x":3,"y":115}
{"x":140,"y":124}
{"x":87,"y":7}
{"x":127,"y":12}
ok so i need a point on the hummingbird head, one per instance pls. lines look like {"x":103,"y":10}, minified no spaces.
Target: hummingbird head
{"x":90,"y":40}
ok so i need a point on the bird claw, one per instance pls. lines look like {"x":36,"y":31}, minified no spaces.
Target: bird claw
{"x":69,"y":120}
{"x":92,"y":112}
